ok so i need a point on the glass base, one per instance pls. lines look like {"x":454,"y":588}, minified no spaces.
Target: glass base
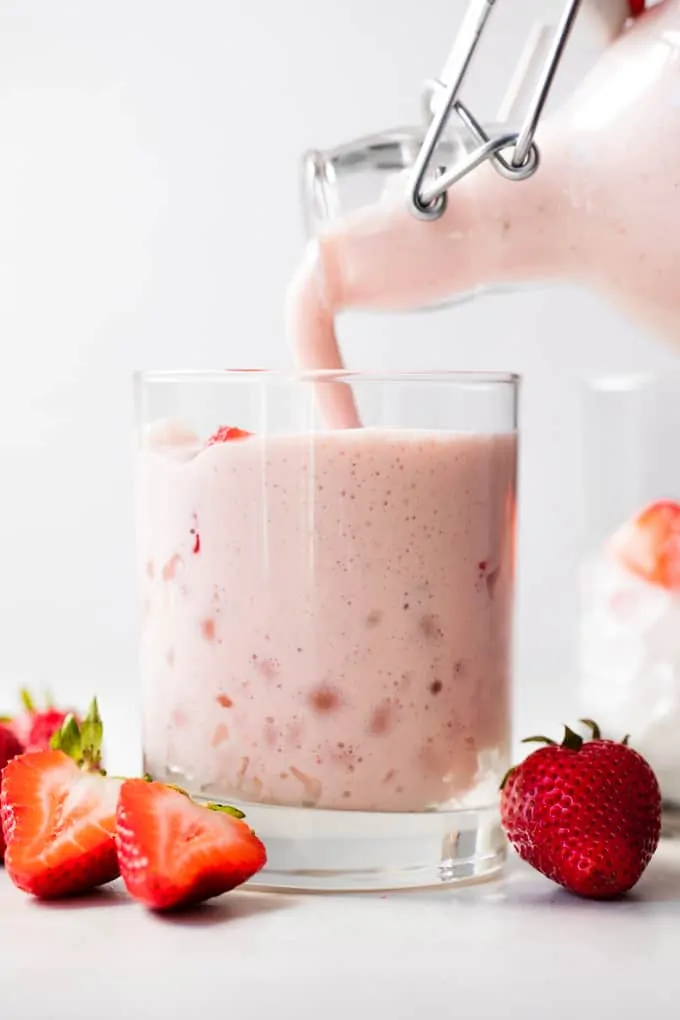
{"x":311,"y":850}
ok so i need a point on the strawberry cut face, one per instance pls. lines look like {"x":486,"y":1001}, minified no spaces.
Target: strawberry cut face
{"x":59,"y":824}
{"x":649,"y":545}
{"x":173,"y":852}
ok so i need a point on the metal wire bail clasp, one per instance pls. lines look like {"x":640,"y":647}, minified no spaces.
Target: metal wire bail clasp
{"x":429,"y":185}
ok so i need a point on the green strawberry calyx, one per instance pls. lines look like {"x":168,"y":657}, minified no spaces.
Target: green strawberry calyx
{"x":82,"y":741}
{"x":225,"y":809}
{"x":29,"y":704}
{"x":571,"y":741}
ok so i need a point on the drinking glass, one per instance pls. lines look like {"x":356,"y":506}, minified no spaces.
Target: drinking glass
{"x":327,"y":615}
{"x":630,"y":579}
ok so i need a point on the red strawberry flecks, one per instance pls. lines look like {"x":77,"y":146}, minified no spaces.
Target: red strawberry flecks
{"x":227,"y":433}
{"x":173,"y":852}
{"x":586,"y":814}
{"x":649,"y":545}
{"x":196,"y":546}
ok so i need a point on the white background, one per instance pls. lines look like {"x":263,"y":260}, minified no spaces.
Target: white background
{"x":149,"y":216}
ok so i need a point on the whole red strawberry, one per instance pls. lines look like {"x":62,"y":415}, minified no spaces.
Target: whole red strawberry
{"x":35,"y":727}
{"x":43,"y":727}
{"x":173,"y":852}
{"x":586,"y":814}
{"x":58,"y":814}
{"x":10,"y":747}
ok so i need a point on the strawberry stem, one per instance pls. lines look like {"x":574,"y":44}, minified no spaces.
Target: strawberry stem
{"x":92,"y":735}
{"x":626,"y":740}
{"x":27,"y":701}
{"x":572,"y":741}
{"x":593,"y":727}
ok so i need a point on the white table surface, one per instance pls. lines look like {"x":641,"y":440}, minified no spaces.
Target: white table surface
{"x":518,"y":947}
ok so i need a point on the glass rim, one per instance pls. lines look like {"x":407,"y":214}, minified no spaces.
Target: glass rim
{"x":628,"y":382}
{"x":281,"y":376}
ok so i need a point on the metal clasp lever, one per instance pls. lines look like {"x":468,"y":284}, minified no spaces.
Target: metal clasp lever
{"x":428,"y":189}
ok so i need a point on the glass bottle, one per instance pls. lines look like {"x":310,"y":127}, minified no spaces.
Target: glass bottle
{"x":599,"y":208}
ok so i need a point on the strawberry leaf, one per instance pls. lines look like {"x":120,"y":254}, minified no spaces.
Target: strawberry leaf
{"x":27,"y":701}
{"x":171,"y":786}
{"x":67,"y":739}
{"x":225,"y":809}
{"x":506,"y":777}
{"x":82,"y":741}
{"x":572,"y":741}
{"x":593,"y":727}
{"x":91,"y":736}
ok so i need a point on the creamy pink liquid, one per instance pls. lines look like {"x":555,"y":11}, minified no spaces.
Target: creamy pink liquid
{"x":602,"y":210}
{"x":327,"y":618}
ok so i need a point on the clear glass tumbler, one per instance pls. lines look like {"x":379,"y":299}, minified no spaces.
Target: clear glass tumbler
{"x":328,"y":615}
{"x":630,"y":580}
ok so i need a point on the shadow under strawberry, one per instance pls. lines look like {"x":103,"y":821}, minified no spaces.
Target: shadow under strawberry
{"x":228,"y":909}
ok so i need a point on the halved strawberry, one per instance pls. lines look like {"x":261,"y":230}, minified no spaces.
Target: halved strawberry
{"x":649,"y":545}
{"x":226,"y":433}
{"x":172,"y":852}
{"x":58,"y":813}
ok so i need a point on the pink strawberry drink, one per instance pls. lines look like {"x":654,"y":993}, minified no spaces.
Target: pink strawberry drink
{"x":327,"y":617}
